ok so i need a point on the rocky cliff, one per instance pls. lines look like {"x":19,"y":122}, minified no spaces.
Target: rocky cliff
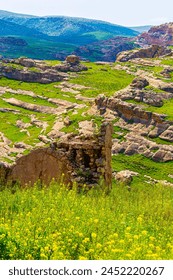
{"x":161,"y":35}
{"x":149,"y":52}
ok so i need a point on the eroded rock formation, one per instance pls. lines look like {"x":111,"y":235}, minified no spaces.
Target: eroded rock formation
{"x":29,"y":70}
{"x":161,"y":35}
{"x":149,"y":52}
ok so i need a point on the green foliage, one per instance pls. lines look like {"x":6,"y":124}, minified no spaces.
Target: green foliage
{"x":166,"y":109}
{"x":56,"y":223}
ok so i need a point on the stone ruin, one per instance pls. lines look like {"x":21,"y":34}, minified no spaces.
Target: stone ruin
{"x":78,"y":159}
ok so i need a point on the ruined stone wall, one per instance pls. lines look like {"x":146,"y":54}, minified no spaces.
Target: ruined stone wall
{"x":80,"y":160}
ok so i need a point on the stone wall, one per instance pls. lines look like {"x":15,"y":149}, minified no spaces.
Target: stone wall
{"x":81,"y":160}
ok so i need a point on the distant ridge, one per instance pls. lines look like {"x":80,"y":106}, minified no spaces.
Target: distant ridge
{"x":69,"y":29}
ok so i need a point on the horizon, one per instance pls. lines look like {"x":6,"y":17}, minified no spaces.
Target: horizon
{"x":79,"y":17}
{"x":129,"y":14}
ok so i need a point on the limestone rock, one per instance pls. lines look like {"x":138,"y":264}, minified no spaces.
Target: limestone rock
{"x":167,"y":134}
{"x":149,"y":52}
{"x":27,"y":62}
{"x":20,"y":145}
{"x":125,"y":176}
{"x":72,"y":59}
{"x":67,"y":121}
{"x":26,"y":75}
{"x":139,"y":83}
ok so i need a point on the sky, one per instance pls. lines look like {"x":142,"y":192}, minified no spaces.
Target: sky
{"x":122,"y":12}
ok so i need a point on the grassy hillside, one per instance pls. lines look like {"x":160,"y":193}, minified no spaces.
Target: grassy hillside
{"x":56,"y":223}
{"x":95,"y":81}
{"x":68,"y":29}
{"x":54,"y":33}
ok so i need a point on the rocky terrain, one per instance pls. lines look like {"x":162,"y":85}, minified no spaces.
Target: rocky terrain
{"x":106,"y":50}
{"x":161,"y":35}
{"x":135,"y":96}
{"x":149,"y":52}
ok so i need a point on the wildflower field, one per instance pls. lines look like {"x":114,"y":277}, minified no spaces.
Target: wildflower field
{"x":54,"y":223}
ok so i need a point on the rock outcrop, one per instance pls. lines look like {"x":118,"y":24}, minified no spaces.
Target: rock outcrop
{"x":71,"y":64}
{"x":29,"y":70}
{"x":130,"y":112}
{"x":161,"y":35}
{"x":149,"y":52}
{"x":34,"y":76}
{"x":81,"y":160}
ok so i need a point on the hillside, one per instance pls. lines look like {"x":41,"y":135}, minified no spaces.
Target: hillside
{"x":54,"y":37}
{"x":68,"y":29}
{"x":157,"y":35}
{"x":8,"y":28}
{"x":106,"y":50}
{"x":141,"y":29}
{"x":44,"y":105}
{"x":48,"y":104}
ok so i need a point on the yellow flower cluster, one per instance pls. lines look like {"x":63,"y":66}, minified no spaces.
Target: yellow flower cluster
{"x":54,"y":223}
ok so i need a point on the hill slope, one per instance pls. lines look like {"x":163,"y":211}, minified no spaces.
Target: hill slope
{"x":68,"y":29}
{"x":8,"y":28}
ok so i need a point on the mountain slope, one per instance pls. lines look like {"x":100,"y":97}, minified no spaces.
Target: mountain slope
{"x":106,"y":50}
{"x":157,"y":35}
{"x":69,"y":29}
{"x":9,"y":28}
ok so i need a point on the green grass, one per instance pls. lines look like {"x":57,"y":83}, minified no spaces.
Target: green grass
{"x":167,"y":61}
{"x":119,"y":133}
{"x":143,"y":166}
{"x":166,"y":109}
{"x":13,"y":132}
{"x":45,"y":90}
{"x":102,"y":79}
{"x":81,"y":115}
{"x":30,"y":99}
{"x":56,"y":224}
{"x":160,"y":141}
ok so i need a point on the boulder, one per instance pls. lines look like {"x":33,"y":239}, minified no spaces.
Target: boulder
{"x":139,"y":83}
{"x":27,"y":62}
{"x":72,"y":59}
{"x":167,"y":134}
{"x":125,"y":176}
